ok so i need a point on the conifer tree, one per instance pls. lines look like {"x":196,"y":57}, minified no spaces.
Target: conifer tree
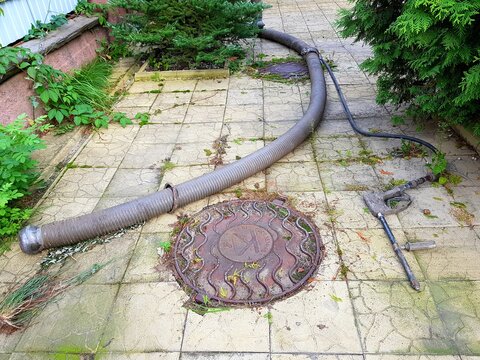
{"x":425,"y":52}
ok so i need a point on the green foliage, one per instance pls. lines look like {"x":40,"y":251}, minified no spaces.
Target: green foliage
{"x":187,"y":34}
{"x":89,"y":9}
{"x":39,"y":29}
{"x":426,"y":53}
{"x":17,"y":170}
{"x":79,"y":98}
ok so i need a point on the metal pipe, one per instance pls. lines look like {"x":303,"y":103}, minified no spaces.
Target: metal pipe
{"x":34,"y":239}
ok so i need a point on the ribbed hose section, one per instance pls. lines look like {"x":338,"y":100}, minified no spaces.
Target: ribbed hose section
{"x":34,"y":239}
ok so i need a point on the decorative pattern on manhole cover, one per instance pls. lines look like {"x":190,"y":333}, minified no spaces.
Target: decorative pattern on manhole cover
{"x":246,"y":252}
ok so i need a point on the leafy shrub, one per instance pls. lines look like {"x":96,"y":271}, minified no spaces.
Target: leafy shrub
{"x":39,"y":29}
{"x":188,"y":33}
{"x":426,"y":53}
{"x":80,"y":97}
{"x":17,"y":170}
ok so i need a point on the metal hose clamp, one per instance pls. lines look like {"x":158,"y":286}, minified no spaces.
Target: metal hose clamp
{"x":307,"y":50}
{"x":174,"y":197}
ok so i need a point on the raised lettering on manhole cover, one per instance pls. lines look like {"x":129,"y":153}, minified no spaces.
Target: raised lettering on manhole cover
{"x":247,"y":251}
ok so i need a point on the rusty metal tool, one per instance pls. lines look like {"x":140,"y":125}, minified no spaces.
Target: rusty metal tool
{"x":392,"y":202}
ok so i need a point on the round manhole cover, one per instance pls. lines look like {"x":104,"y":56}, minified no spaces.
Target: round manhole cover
{"x":287,"y":70}
{"x":246,"y":252}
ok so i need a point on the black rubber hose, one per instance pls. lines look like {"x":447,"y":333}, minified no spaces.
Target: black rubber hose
{"x":34,"y":239}
{"x":360,"y":131}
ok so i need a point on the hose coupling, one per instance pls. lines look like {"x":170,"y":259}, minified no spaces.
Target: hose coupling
{"x":30,"y":238}
{"x":307,"y":50}
{"x":174,"y":197}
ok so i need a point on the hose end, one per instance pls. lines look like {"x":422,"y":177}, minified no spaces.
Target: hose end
{"x":260,"y":24}
{"x":30,"y":238}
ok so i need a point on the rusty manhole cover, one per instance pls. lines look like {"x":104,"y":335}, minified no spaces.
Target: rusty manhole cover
{"x":247,"y":252}
{"x":287,"y":70}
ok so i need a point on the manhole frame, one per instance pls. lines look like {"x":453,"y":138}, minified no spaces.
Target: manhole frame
{"x":197,"y":294}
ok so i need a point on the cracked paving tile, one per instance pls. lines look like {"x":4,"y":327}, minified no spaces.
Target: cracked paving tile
{"x":293,"y":177}
{"x":115,"y":255}
{"x":402,"y":169}
{"x":136,"y":100}
{"x":82,"y":183}
{"x":394,"y":318}
{"x":169,"y":114}
{"x":354,"y":91}
{"x":140,"y":87}
{"x":166,"y":222}
{"x":241,"y":131}
{"x":316,"y":320}
{"x":133,"y":183}
{"x":204,"y":114}
{"x":282,"y":112}
{"x":241,"y":82}
{"x":352,"y":177}
{"x":158,"y":134}
{"x":382,"y":147}
{"x":369,"y":255}
{"x":192,"y":154}
{"x":147,"y":156}
{"x":312,"y":204}
{"x":459,"y":306}
{"x":285,"y":95}
{"x":145,"y":318}
{"x":178,"y":85}
{"x":256,"y":182}
{"x":315,"y":357}
{"x":212,"y":84}
{"x":413,"y":357}
{"x":180,"y":174}
{"x":347,"y":210}
{"x":205,"y":133}
{"x":274,"y":130}
{"x":302,"y":153}
{"x":328,"y":149}
{"x":224,"y":356}
{"x":169,"y":99}
{"x":75,"y":319}
{"x":237,"y":150}
{"x":245,"y":97}
{"x":209,"y":98}
{"x":58,"y":208}
{"x":107,"y":202}
{"x":330,"y":266}
{"x":449,"y":143}
{"x":423,"y":199}
{"x":240,"y":113}
{"x":146,"y":265}
{"x":455,"y":257}
{"x":116,"y":133}
{"x":467,"y":167}
{"x":102,"y":154}
{"x":358,"y":108}
{"x":469,"y":199}
{"x":234,"y":330}
{"x":141,"y":356}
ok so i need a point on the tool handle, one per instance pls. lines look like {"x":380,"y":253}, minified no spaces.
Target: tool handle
{"x":421,"y":245}
{"x":400,"y":190}
{"x":411,"y":277}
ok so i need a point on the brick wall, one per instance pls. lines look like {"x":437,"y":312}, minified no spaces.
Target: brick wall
{"x":15,"y":92}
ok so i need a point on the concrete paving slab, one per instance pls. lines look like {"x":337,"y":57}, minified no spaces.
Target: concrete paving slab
{"x":318,"y":320}
{"x":394,"y":318}
{"x":74,"y":320}
{"x":146,"y":317}
{"x":82,"y":183}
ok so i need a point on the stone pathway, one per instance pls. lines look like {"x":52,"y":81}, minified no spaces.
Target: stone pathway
{"x":133,"y":309}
